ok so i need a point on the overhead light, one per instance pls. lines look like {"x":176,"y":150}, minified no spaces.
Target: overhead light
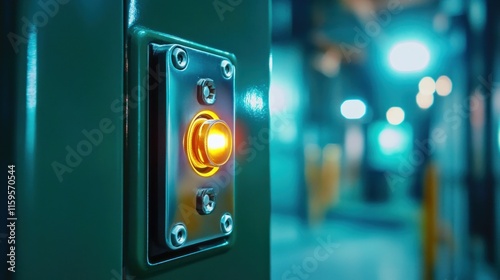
{"x":409,"y":56}
{"x":353,"y":109}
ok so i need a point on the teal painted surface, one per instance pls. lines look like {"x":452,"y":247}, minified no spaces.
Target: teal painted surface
{"x":238,"y":31}
{"x":69,"y":72}
{"x":70,"y":83}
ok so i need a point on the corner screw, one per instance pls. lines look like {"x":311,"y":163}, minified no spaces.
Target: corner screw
{"x":179,"y":58}
{"x":226,"y":223}
{"x":227,"y":69}
{"x":178,"y":235}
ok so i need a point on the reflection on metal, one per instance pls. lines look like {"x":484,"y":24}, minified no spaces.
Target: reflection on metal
{"x":133,"y":12}
{"x":31,"y":102}
{"x":498,"y":136}
{"x":254,"y":101}
{"x":31,"y":82}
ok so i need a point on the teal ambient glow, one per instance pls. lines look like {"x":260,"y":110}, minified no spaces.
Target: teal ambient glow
{"x":388,"y":144}
{"x":392,"y":140}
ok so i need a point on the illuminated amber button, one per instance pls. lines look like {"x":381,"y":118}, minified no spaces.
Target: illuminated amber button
{"x":209,"y":143}
{"x":214,"y":143}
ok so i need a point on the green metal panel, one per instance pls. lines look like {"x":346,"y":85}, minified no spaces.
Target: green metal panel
{"x":69,"y":72}
{"x":69,"y":82}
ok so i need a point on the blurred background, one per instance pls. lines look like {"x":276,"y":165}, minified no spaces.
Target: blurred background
{"x":385,"y":143}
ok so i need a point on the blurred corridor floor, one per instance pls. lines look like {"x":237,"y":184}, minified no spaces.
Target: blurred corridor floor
{"x":360,"y":250}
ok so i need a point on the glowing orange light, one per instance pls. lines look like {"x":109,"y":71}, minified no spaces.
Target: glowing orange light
{"x":208,"y":143}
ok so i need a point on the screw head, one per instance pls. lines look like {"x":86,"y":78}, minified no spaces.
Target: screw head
{"x":206,"y":91}
{"x":205,"y":201}
{"x":178,"y":235}
{"x":226,"y":223}
{"x":179,"y":58}
{"x":227,"y":69}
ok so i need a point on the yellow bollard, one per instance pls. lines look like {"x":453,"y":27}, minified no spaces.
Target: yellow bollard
{"x":430,"y":220}
{"x":322,"y":172}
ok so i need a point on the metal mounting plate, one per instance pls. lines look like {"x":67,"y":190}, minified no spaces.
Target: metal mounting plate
{"x":161,"y":187}
{"x":173,"y":184}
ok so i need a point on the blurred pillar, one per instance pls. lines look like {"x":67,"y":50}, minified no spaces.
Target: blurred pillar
{"x":481,"y":185}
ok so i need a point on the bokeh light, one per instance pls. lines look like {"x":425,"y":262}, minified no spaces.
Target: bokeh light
{"x":395,"y":115}
{"x":409,"y":56}
{"x":427,"y":86}
{"x":353,"y":109}
{"x":424,"y":101}
{"x":444,"y":85}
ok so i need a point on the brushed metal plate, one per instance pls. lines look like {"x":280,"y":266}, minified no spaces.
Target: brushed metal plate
{"x":173,"y":184}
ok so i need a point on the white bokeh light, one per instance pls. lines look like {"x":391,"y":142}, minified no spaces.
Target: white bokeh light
{"x":353,"y":109}
{"x":409,"y":56}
